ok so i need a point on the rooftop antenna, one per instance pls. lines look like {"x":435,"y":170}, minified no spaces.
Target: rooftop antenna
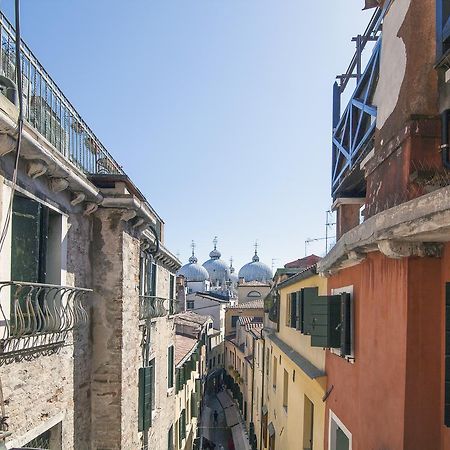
{"x":273,"y":263}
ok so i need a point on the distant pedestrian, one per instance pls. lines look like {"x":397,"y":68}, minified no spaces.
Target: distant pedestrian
{"x":216,"y":415}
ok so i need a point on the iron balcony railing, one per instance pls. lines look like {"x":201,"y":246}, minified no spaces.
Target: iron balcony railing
{"x":48,"y":110}
{"x":35,"y":318}
{"x":151,"y":307}
{"x":354,"y":129}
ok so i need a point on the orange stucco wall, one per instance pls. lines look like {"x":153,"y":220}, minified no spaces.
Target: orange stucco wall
{"x":398,"y":332}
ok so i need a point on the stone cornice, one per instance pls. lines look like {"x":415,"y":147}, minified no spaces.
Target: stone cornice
{"x":412,"y":228}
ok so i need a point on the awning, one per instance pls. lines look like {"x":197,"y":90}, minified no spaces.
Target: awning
{"x":264,"y":410}
{"x":271,"y":429}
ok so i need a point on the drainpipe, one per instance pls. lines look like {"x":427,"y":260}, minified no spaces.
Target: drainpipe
{"x":445,"y":144}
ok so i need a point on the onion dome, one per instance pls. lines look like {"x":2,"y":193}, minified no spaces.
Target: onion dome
{"x":256,"y":271}
{"x":193,"y":271}
{"x":217,"y":269}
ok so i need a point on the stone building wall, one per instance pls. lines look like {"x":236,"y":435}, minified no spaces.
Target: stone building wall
{"x":162,"y":336}
{"x":39,"y":393}
{"x":107,"y":272}
{"x":131,"y":343}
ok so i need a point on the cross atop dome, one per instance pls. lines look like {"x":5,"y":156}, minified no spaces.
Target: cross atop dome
{"x":193,"y":259}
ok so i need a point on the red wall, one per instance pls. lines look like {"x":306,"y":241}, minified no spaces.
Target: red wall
{"x":398,"y":331}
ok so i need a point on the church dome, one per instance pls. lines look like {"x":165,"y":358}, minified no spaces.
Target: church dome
{"x":256,"y":271}
{"x":217,"y":269}
{"x":193,"y":271}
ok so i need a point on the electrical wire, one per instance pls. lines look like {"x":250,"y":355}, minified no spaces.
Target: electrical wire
{"x":4,"y":232}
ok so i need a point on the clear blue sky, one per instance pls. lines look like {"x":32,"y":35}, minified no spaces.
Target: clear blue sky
{"x":219,"y":110}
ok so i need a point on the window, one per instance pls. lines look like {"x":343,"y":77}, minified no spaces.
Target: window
{"x":49,"y":439}
{"x":170,"y":438}
{"x":308,"y":424}
{"x":267,"y":361}
{"x":443,"y":27}
{"x":146,"y":396}
{"x":285,"y":389}
{"x":254,"y":294}
{"x":274,"y":374}
{"x":182,"y":431}
{"x":234,"y":320}
{"x":291,"y":316}
{"x":147,"y":276}
{"x":172,"y":294}
{"x":37,"y":242}
{"x":328,"y":319}
{"x":339,"y":437}
{"x":170,"y":366}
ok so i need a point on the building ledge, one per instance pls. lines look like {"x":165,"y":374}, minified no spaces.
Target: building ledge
{"x":306,"y":366}
{"x":412,"y":228}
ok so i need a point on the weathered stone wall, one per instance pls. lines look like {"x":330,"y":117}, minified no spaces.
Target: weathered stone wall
{"x":107,"y":272}
{"x":131,"y":341}
{"x":37,"y":394}
{"x":162,"y":336}
{"x":40,"y":393}
{"x":79,"y":274}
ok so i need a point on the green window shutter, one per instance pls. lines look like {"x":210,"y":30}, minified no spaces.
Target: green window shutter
{"x":299,"y":311}
{"x":153,"y":279}
{"x":177,"y":379}
{"x":29,"y":235}
{"x":325,"y":323}
{"x":170,"y":367}
{"x":194,"y":405}
{"x":145,"y":398}
{"x":309,"y":296}
{"x":346,"y":324}
{"x":293,"y":318}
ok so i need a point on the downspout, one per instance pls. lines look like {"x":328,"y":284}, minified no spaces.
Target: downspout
{"x":445,"y":145}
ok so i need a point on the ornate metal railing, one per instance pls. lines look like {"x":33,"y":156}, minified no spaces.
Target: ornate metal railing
{"x":48,"y":110}
{"x":35,"y":318}
{"x":151,"y":307}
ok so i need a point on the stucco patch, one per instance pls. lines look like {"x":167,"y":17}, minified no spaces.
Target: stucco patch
{"x":393,"y":62}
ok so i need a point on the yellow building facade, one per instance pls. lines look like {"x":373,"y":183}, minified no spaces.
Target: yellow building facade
{"x":294,"y":380}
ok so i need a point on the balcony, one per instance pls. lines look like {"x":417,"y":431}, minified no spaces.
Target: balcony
{"x":151,"y":307}
{"x":48,"y":111}
{"x":354,"y":129}
{"x":35,"y":318}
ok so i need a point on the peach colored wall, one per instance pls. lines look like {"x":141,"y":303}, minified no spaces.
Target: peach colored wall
{"x":398,"y":332}
{"x":369,"y":395}
{"x":445,"y":431}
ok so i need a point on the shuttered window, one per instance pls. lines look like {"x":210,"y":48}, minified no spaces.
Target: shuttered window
{"x":146,"y":396}
{"x":293,"y":310}
{"x":326,"y":321}
{"x":309,"y":295}
{"x":170,"y":366}
{"x":170,"y":439}
{"x":447,"y":356}
{"x":194,"y":404}
{"x":346,"y":324}
{"x":30,"y":222}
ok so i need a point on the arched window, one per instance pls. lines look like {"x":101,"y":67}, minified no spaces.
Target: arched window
{"x":254,"y":294}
